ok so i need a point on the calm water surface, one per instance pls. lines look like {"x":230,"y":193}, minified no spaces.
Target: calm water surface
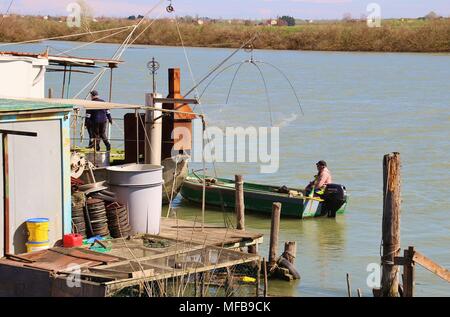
{"x":358,"y":107}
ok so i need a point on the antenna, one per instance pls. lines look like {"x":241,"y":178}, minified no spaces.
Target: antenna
{"x":153,"y":66}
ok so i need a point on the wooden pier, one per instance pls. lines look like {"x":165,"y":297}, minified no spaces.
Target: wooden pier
{"x":181,"y":252}
{"x":184,"y":230}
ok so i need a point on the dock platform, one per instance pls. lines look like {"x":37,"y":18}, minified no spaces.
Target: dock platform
{"x":184,"y":230}
{"x":181,"y":251}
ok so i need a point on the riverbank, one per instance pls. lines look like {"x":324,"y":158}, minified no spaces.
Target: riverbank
{"x":410,"y":35}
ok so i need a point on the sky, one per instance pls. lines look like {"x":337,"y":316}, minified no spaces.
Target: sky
{"x":243,"y":9}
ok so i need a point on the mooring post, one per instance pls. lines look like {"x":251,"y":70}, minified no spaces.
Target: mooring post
{"x":290,"y":251}
{"x":239,"y":203}
{"x":50,"y":93}
{"x":202,"y":284}
{"x":258,"y":277}
{"x":195,"y":284}
{"x":391,"y":224}
{"x":266,"y":285}
{"x":408,"y":272}
{"x":274,"y":231}
{"x":349,"y":287}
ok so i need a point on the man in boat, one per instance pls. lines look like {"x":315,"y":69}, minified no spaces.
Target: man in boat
{"x":321,"y":180}
{"x":97,"y":122}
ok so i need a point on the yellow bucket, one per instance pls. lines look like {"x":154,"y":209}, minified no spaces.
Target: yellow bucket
{"x":37,"y":229}
{"x":37,"y":246}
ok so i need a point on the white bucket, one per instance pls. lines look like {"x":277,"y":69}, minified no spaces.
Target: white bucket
{"x":139,"y":187}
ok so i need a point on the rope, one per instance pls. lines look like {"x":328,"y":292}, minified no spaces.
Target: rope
{"x":221,"y":63}
{"x":227,"y":221}
{"x":92,"y":42}
{"x":121,"y":49}
{"x":65,"y":36}
{"x":6,"y":12}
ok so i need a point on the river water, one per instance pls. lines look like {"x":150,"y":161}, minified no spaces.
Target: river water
{"x":357,"y":107}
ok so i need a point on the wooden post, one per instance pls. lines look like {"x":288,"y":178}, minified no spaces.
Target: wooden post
{"x":391,"y":224}
{"x":258,"y":277}
{"x":274,"y":231}
{"x":239,"y":202}
{"x":265,"y":277}
{"x":50,"y":93}
{"x":408,"y":272}
{"x":290,"y":251}
{"x":349,"y":287}
{"x":359,"y":292}
{"x":229,"y":288}
{"x":195,"y":284}
{"x":202,"y":284}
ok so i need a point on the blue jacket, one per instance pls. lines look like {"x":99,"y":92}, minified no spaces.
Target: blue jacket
{"x":98,"y":116}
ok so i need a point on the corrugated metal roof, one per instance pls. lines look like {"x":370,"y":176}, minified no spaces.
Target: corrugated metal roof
{"x":17,"y":105}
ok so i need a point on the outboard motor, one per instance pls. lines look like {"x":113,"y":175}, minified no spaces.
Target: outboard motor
{"x":335,"y":196}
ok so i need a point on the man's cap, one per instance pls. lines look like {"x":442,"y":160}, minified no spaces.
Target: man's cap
{"x":321,"y":163}
{"x":94,"y":93}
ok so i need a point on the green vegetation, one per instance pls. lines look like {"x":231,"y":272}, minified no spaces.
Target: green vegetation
{"x":406,"y":35}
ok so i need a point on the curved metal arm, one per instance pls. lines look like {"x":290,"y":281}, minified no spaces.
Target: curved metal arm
{"x":217,"y":75}
{"x":287,"y":79}
{"x":266,"y":90}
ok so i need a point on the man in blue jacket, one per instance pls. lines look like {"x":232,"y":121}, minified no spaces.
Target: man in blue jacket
{"x":98,"y":121}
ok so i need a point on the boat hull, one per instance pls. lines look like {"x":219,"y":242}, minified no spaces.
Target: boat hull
{"x":257,"y":198}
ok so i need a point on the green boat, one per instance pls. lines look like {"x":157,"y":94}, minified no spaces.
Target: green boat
{"x":259,"y":198}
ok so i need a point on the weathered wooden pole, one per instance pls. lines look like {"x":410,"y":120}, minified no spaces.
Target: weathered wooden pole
{"x":274,"y":231}
{"x":266,"y":284}
{"x":258,"y":277}
{"x":202,"y":284}
{"x":290,"y":251}
{"x":408,"y":272}
{"x":50,"y":93}
{"x":391,"y":224}
{"x":239,"y":202}
{"x":349,"y":287}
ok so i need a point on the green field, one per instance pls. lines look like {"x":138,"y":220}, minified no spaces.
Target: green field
{"x":408,"y":35}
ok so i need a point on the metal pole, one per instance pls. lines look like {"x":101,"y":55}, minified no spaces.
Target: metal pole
{"x":154,"y":131}
{"x":137,"y":136}
{"x":110,"y":84}
{"x":204,"y":176}
{"x":110,"y":99}
{"x":64,"y":82}
{"x":5,"y":192}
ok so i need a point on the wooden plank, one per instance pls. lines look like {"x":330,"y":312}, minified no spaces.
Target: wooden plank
{"x":175,"y":100}
{"x":119,"y":284}
{"x":431,"y":266}
{"x":60,"y":288}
